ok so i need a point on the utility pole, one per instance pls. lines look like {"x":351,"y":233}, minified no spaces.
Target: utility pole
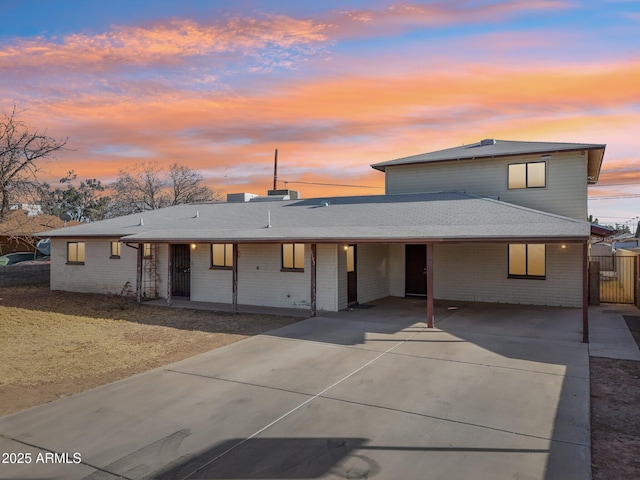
{"x":275,"y":171}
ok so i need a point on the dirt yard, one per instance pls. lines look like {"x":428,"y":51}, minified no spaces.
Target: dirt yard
{"x":615,"y":415}
{"x":54,"y":344}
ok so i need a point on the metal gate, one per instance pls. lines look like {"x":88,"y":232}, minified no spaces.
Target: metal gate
{"x":617,"y":278}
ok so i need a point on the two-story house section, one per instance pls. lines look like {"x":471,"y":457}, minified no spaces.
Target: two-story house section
{"x":547,"y":176}
{"x":543,"y":176}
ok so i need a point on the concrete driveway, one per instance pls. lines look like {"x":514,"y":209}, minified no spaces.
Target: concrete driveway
{"x":494,"y":392}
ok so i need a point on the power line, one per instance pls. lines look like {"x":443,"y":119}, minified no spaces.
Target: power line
{"x":330,"y":184}
{"x":614,"y":184}
{"x":612,"y":197}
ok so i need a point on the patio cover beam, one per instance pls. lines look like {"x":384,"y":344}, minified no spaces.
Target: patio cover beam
{"x":430,"y":313}
{"x":313,"y":279}
{"x":169,"y":275}
{"x":234,"y":275}
{"x":139,"y":274}
{"x":585,"y":292}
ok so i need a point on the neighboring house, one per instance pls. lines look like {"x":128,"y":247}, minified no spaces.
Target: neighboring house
{"x":20,"y":230}
{"x":495,"y":221}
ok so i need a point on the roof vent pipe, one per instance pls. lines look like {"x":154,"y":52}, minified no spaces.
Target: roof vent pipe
{"x":268,"y":218}
{"x":197,"y":214}
{"x":141,"y":222}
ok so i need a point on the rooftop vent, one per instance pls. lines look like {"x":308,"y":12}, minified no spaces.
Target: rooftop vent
{"x":275,"y":195}
{"x":292,"y":194}
{"x":487,"y":141}
{"x":240,"y":197}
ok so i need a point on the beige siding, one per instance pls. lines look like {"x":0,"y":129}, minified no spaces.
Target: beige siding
{"x":478,"y":272}
{"x":373,"y":272}
{"x":565,"y":193}
{"x":99,"y":274}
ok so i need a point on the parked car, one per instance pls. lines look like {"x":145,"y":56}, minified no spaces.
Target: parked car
{"x":17,"y":257}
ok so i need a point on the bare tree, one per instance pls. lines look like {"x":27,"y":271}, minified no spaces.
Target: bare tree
{"x":187,"y":186}
{"x":21,"y":150}
{"x":149,"y":187}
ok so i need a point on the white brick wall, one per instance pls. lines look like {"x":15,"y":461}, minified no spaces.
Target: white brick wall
{"x":99,"y":274}
{"x":478,"y":272}
{"x":209,"y":285}
{"x":261,"y":281}
{"x":472,"y":272}
{"x":373,"y":272}
{"x":396,"y":270}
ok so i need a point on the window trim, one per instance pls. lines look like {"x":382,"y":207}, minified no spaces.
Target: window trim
{"x":225,"y":266}
{"x":76,"y":262}
{"x":119,"y":250}
{"x":291,"y":269}
{"x":527,"y":276}
{"x":526,"y":175}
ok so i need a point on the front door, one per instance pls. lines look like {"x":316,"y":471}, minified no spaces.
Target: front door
{"x":416,"y":270}
{"x":181,"y":271}
{"x":352,"y":281}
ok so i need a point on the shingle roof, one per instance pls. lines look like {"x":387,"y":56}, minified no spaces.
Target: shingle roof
{"x":443,"y":216}
{"x":490,"y":148}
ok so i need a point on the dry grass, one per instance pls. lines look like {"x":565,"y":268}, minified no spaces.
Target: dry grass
{"x":54,"y":344}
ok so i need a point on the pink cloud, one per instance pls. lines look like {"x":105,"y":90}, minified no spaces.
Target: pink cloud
{"x":165,"y":43}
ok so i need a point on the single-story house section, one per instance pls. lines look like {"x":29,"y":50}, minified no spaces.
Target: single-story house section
{"x":326,"y":253}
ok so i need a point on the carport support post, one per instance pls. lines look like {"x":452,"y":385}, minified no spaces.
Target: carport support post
{"x":234,"y":278}
{"x":313,"y":279}
{"x":430,"y":313}
{"x":585,"y":292}
{"x":169,"y":275}
{"x":139,"y":274}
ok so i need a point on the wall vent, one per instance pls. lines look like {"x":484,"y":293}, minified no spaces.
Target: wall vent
{"x":487,"y":141}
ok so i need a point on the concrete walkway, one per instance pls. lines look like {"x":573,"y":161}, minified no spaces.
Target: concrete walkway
{"x":493,"y":392}
{"x":610,"y":335}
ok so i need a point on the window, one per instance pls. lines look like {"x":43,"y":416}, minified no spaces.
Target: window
{"x":293,"y":257}
{"x":146,"y":250}
{"x":527,"y":175}
{"x":75,"y":253}
{"x":115,"y":250}
{"x":527,"y":260}
{"x":222,"y":255}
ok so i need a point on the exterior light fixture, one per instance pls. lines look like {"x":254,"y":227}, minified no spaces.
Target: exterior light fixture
{"x":194,"y":246}
{"x":346,"y":247}
{"x":564,"y":246}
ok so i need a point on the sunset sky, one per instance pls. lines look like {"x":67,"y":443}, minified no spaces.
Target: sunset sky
{"x":334,"y":85}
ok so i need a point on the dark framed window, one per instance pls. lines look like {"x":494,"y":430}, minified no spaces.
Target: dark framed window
{"x":115,"y":249}
{"x":527,"y":175}
{"x":146,"y":250}
{"x":222,"y":256}
{"x":75,"y":253}
{"x":527,"y":260}
{"x":293,"y":257}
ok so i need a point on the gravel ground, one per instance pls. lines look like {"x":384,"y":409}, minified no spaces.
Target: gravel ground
{"x":615,"y":415}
